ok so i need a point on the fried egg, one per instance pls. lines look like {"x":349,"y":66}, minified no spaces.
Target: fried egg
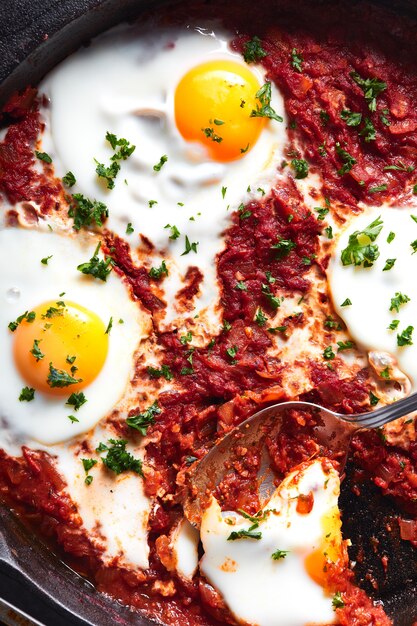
{"x":185,"y":101}
{"x":378,"y":303}
{"x":68,"y":338}
{"x":255,"y":574}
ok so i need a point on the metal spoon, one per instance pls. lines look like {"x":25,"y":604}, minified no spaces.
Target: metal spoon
{"x":333,"y":431}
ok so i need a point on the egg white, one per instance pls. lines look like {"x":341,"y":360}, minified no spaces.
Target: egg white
{"x":124,"y":82}
{"x":24,"y":284}
{"x":256,"y":588}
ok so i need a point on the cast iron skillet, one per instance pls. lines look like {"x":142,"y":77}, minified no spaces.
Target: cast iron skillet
{"x":34,"y":36}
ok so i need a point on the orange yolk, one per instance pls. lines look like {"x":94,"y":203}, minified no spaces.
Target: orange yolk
{"x":330,"y":550}
{"x":62,"y":333}
{"x":213,"y":103}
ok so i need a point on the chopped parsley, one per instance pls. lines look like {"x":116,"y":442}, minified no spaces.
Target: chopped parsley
{"x":162,"y":161}
{"x":28,"y":316}
{"x":109,"y":173}
{"x":400,"y":167}
{"x":241,"y":286}
{"x":394,"y":325}
{"x":274,"y":302}
{"x":232,"y":352}
{"x":321,"y":212}
{"x":404,"y":338}
{"x":109,"y":326}
{"x":226,"y":326}
{"x":300,"y":166}
{"x":129,"y":229}
{"x":98,"y":268}
{"x":253,"y":51}
{"x":175,"y":233}
{"x":142,"y":421}
{"x":277,"y":329}
{"x":37,"y":353}
{"x":85,"y":211}
{"x":329,"y":232}
{"x":331,"y":323}
{"x":391,"y":237}
{"x":27,"y":394}
{"x":337,"y":601}
{"x":53,"y":311}
{"x":189,"y":460}
{"x":244,"y":534}
{"x":118,"y":460}
{"x":378,"y":188}
{"x":345,"y":345}
{"x":190,"y":246}
{"x":398,"y":300}
{"x":69,"y":179}
{"x":389,"y":264}
{"x":346,"y":302}
{"x":413,"y":244}
{"x":224,"y":189}
{"x":373,"y":399}
{"x":360,"y":249}
{"x":371,"y":88}
{"x":151,"y":203}
{"x":296,"y":61}
{"x":368,"y":132}
{"x":347,"y":159}
{"x":279,"y":554}
{"x":260,"y":317}
{"x":73,"y":419}
{"x":210,"y":134}
{"x":88,"y":464}
{"x":43,"y":156}
{"x":265,"y":109}
{"x":45,"y":260}
{"x":76,"y":400}
{"x":243,"y":213}
{"x":328,"y":353}
{"x":385,"y":373}
{"x":60,"y":378}
{"x":186,"y":338}
{"x":351,"y":118}
{"x":157,"y":272}
{"x":325,"y":117}
{"x":164,"y":372}
{"x":284,"y":246}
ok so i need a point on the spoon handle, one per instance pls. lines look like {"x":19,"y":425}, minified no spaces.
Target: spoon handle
{"x":384,"y":415}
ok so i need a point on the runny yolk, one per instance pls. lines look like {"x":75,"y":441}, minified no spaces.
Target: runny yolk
{"x":213,"y":103}
{"x":62,"y":330}
{"x":330,"y":550}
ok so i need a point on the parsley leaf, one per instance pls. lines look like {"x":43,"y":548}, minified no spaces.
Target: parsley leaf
{"x":142,"y":421}
{"x":373,"y":399}
{"x":390,"y":237}
{"x":186,"y":338}
{"x":210,"y":134}
{"x":346,"y":302}
{"x":162,"y":161}
{"x":351,"y":118}
{"x":69,"y":179}
{"x":394,"y":325}
{"x":129,"y":229}
{"x":361,"y":249}
{"x":27,"y":394}
{"x":244,"y":534}
{"x":60,"y":378}
{"x":274,"y":302}
{"x":296,"y":60}
{"x":253,"y":51}
{"x":37,"y":353}
{"x":29,"y":317}
{"x":175,"y":233}
{"x":378,"y":188}
{"x":265,"y":110}
{"x":165,"y":372}
{"x":190,"y":246}
{"x":300,"y":166}
{"x":95,"y":267}
{"x":85,"y":211}
{"x":398,"y":300}
{"x":347,"y":159}
{"x":76,"y":400}
{"x":371,"y":88}
{"x":108,"y":173}
{"x":389,"y":264}
{"x":321,"y":212}
{"x":345,"y":345}
{"x":279,"y":554}
{"x":88,"y":464}
{"x":284,"y":246}
{"x":337,"y":601}
{"x":232,"y":352}
{"x":118,"y":460}
{"x":260,"y":317}
{"x":241,"y":286}
{"x":328,"y":353}
{"x":43,"y":156}
{"x":368,"y":132}
{"x":157,"y":272}
{"x":404,"y":338}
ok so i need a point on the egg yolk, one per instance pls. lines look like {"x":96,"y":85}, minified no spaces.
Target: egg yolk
{"x":66,"y":335}
{"x":213,"y":103}
{"x":330,"y":550}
